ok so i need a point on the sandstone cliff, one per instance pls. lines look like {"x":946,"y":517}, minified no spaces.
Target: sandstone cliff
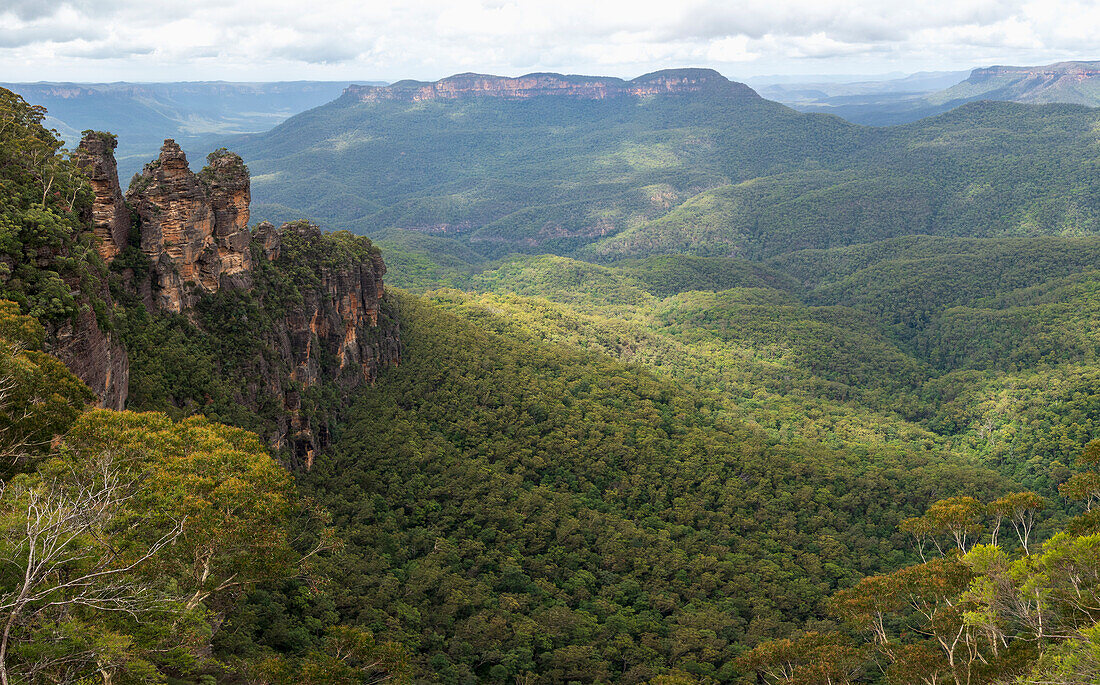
{"x":332,"y":334}
{"x":193,"y":227}
{"x":95,"y":356}
{"x":283,"y":323}
{"x":85,"y":342}
{"x":669,"y":81}
{"x":320,"y":294}
{"x":110,"y":219}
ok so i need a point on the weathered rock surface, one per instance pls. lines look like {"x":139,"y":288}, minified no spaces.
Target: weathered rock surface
{"x":194,"y":230}
{"x":326,"y":332}
{"x":110,"y":219}
{"x":334,"y":335}
{"x":94,"y":356}
{"x":85,"y":343}
{"x":193,"y":227}
{"x":669,"y":81}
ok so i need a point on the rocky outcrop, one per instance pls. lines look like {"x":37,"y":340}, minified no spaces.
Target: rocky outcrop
{"x":266,"y":238}
{"x":335,"y":335}
{"x":339,"y":312}
{"x":193,"y":227}
{"x":94,"y":356}
{"x":324,"y":331}
{"x":85,"y":341}
{"x":669,"y":81}
{"x":229,"y":189}
{"x":110,"y":219}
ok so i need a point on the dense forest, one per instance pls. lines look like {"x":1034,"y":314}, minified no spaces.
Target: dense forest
{"x":776,"y":428}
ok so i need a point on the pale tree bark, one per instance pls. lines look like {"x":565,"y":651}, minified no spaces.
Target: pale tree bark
{"x":62,"y":553}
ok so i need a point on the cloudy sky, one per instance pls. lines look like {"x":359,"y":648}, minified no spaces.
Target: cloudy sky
{"x":170,"y":40}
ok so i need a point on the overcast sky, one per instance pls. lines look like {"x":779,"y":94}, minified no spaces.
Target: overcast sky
{"x":237,"y":40}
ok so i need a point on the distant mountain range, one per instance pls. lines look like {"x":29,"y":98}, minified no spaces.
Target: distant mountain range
{"x":1072,"y":82}
{"x":899,"y":101}
{"x":142,"y":115}
{"x":202,"y":114}
{"x":679,"y":161}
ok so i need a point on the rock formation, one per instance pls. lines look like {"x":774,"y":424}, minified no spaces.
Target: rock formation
{"x":669,"y":81}
{"x":94,"y":356}
{"x":194,"y":230}
{"x":325,"y":331}
{"x":110,"y":219}
{"x":334,"y":335}
{"x":193,"y":227}
{"x":84,"y":342}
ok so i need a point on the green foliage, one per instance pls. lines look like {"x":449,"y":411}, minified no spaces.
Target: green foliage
{"x":47,"y":256}
{"x":702,"y":175}
{"x":119,"y":547}
{"x":513,"y":507}
{"x":39,"y":397}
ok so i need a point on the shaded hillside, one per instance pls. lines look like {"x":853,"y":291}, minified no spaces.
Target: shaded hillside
{"x":544,"y":511}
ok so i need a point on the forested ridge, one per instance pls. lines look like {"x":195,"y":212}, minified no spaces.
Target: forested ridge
{"x":773,"y":428}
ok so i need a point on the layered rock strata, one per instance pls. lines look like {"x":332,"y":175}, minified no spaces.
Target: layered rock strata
{"x":334,"y":335}
{"x":94,"y":356}
{"x":669,"y":81}
{"x":84,"y":343}
{"x":110,"y":219}
{"x":194,"y":228}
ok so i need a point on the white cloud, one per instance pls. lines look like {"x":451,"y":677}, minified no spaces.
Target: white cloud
{"x":427,"y":39}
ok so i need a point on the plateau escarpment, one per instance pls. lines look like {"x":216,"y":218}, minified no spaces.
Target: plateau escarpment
{"x":664,"y":82}
{"x":315,"y":299}
{"x":1065,"y":82}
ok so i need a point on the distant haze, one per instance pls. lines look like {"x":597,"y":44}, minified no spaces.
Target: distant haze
{"x":142,"y":115}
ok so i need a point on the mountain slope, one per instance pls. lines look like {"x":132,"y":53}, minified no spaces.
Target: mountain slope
{"x":593,"y":169}
{"x":502,"y":172}
{"x":1069,"y":82}
{"x":514,"y":507}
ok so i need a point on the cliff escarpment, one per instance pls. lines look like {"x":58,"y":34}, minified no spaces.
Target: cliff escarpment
{"x":84,"y":339}
{"x":269,"y":329}
{"x":1064,"y":82}
{"x":1070,"y":70}
{"x":669,"y":81}
{"x":334,"y":332}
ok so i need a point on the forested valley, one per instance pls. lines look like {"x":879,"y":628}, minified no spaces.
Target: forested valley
{"x":681,"y":390}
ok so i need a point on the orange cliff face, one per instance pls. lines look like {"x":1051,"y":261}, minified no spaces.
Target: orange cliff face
{"x":194,"y":228}
{"x":110,"y":219}
{"x":670,"y":81}
{"x":1074,"y":71}
{"x":333,"y":335}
